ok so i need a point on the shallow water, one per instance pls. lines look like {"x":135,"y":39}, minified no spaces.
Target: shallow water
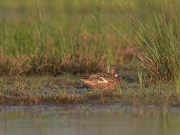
{"x":109,"y":119}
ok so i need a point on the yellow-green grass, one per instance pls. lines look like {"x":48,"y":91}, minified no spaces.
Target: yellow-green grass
{"x":38,"y":40}
{"x":42,"y":37}
{"x":157,"y":35}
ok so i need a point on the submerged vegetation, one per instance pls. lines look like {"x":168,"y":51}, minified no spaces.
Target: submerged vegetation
{"x":53,"y":38}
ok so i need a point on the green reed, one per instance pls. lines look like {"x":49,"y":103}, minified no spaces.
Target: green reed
{"x":157,"y":35}
{"x":55,"y":44}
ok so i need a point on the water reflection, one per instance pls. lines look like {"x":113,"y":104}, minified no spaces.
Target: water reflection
{"x":83,"y":120}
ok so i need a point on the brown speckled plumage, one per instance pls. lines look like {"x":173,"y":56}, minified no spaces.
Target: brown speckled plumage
{"x":104,"y":81}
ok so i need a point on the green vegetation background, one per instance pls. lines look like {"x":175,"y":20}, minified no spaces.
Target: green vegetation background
{"x":74,"y":36}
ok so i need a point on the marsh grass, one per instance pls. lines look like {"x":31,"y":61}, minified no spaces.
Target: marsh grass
{"x":14,"y":65}
{"x":53,"y":90}
{"x":29,"y":47}
{"x":25,"y":54}
{"x":41,"y":43}
{"x":158,"y":37}
{"x":54,"y":39}
{"x":177,"y":81}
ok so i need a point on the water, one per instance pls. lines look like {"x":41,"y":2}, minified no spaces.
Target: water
{"x":114,"y":119}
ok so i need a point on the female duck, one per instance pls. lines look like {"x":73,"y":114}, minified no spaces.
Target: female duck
{"x":104,"y":81}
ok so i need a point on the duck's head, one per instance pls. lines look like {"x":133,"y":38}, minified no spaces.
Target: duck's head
{"x":115,"y":72}
{"x":112,"y":70}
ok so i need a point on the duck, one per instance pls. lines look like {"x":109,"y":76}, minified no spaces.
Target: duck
{"x":104,"y":81}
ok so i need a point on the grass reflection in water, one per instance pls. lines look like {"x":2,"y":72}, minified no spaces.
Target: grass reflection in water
{"x":90,"y":119}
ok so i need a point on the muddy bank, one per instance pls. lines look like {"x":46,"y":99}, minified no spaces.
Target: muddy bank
{"x":79,"y":109}
{"x":68,"y":89}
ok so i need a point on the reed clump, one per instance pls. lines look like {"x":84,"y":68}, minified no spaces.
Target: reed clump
{"x":160,"y":44}
{"x":44,"y":64}
{"x":157,"y":35}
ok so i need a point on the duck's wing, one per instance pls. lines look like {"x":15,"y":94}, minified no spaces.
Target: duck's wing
{"x":99,"y":75}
